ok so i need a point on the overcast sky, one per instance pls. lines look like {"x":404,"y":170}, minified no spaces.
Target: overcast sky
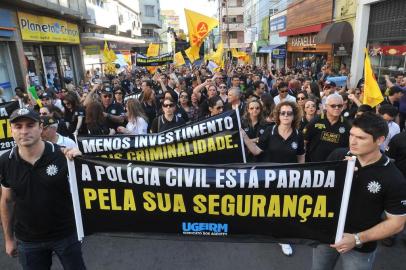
{"x":201,"y":6}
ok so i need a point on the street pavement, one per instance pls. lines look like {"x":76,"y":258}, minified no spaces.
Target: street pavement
{"x":138,"y":251}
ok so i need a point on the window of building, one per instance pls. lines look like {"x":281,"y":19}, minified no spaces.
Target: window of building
{"x":147,"y":32}
{"x":233,"y":35}
{"x":149,"y":11}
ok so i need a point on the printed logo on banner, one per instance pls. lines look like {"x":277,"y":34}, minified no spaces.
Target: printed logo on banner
{"x":198,"y":228}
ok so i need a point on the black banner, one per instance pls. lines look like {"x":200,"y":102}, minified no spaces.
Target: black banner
{"x":144,"y":61}
{"x":272,"y":200}
{"x":215,"y":140}
{"x":6,"y":140}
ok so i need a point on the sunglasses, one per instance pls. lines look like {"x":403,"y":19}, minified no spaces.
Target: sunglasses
{"x":301,"y":98}
{"x":222,"y":86}
{"x":43,"y":113}
{"x":168,"y":105}
{"x":219,"y":107}
{"x":67,"y":103}
{"x":107,"y":96}
{"x":285,"y":113}
{"x":336,"y":106}
{"x":283,"y":91}
{"x":253,"y":108}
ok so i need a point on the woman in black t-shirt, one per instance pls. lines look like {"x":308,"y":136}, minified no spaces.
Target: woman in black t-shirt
{"x":96,"y":121}
{"x":281,"y":143}
{"x":252,"y":123}
{"x":74,"y":114}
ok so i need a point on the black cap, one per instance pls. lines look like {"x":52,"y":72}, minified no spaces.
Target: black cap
{"x":24,"y":113}
{"x":47,"y":121}
{"x":333,"y":84}
{"x":45,"y":95}
{"x":107,"y":90}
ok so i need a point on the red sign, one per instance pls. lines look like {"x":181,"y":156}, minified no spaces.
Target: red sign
{"x":388,"y":50}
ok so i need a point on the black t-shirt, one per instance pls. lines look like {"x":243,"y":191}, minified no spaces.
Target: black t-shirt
{"x":43,"y":209}
{"x":323,"y":138}
{"x":114,"y":109}
{"x":161,"y":123}
{"x":397,"y":151}
{"x":277,"y":149}
{"x":376,"y":188}
{"x":72,"y":118}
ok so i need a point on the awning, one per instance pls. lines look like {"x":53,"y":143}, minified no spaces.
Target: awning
{"x":338,"y":32}
{"x":269,"y":48}
{"x":302,"y":30}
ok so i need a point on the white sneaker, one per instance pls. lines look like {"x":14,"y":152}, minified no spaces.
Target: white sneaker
{"x":286,"y":249}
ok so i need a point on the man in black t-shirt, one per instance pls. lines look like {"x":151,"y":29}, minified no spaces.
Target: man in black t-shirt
{"x":36,"y":205}
{"x":114,"y":112}
{"x":377,"y":187}
{"x":326,"y":132}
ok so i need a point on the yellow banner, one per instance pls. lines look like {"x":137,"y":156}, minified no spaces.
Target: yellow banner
{"x":40,"y":28}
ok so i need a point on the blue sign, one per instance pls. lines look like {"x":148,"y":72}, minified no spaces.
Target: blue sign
{"x":199,"y":228}
{"x":278,"y":53}
{"x":277,"y":24}
{"x":7,"y":22}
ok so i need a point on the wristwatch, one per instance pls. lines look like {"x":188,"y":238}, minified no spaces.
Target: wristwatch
{"x":358,"y":242}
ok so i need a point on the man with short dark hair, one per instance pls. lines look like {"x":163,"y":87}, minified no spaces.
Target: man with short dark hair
{"x":36,"y":204}
{"x":283,"y":91}
{"x":377,"y":186}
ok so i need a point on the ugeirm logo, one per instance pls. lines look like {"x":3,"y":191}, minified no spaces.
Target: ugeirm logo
{"x":200,"y":228}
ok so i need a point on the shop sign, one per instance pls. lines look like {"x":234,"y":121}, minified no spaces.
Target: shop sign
{"x":303,"y":41}
{"x":341,"y":51}
{"x":278,"y":53}
{"x":278,"y":24}
{"x":92,"y":49}
{"x":395,"y":50}
{"x":41,"y":28}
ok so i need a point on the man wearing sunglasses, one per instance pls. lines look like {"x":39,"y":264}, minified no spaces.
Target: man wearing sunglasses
{"x":114,"y":112}
{"x":327,"y":131}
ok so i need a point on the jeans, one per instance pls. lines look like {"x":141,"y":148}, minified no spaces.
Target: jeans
{"x":325,"y":258}
{"x":38,"y":255}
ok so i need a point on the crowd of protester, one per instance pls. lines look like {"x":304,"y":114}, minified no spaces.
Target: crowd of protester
{"x":287,"y":116}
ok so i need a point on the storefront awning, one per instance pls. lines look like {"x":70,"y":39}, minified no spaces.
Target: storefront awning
{"x":302,"y":30}
{"x":338,"y":32}
{"x":269,"y":48}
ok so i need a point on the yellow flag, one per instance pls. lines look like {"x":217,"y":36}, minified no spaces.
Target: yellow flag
{"x":178,"y":59}
{"x":153,"y":49}
{"x":199,"y":26}
{"x":218,"y":55}
{"x":106,"y":51}
{"x":372,"y":93}
{"x":192,"y":53}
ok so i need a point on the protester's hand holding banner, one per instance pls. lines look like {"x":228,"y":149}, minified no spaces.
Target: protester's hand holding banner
{"x":284,"y":200}
{"x":6,"y":140}
{"x":215,"y":140}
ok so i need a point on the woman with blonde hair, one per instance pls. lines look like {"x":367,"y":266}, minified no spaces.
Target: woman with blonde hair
{"x":137,"y":120}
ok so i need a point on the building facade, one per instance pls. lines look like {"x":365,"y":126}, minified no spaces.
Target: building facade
{"x":303,"y":24}
{"x":380,"y":25}
{"x":151,"y":24}
{"x":40,"y":39}
{"x":231,"y":14}
{"x":116,"y":21}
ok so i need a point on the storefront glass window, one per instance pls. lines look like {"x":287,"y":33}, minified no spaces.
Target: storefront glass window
{"x":50,"y":62}
{"x":67,"y":64}
{"x":6,"y":73}
{"x":34,"y":64}
{"x":388,"y":59}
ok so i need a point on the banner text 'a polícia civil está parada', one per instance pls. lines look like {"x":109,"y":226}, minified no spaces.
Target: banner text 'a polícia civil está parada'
{"x":283,"y":201}
{"x":214,"y":140}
